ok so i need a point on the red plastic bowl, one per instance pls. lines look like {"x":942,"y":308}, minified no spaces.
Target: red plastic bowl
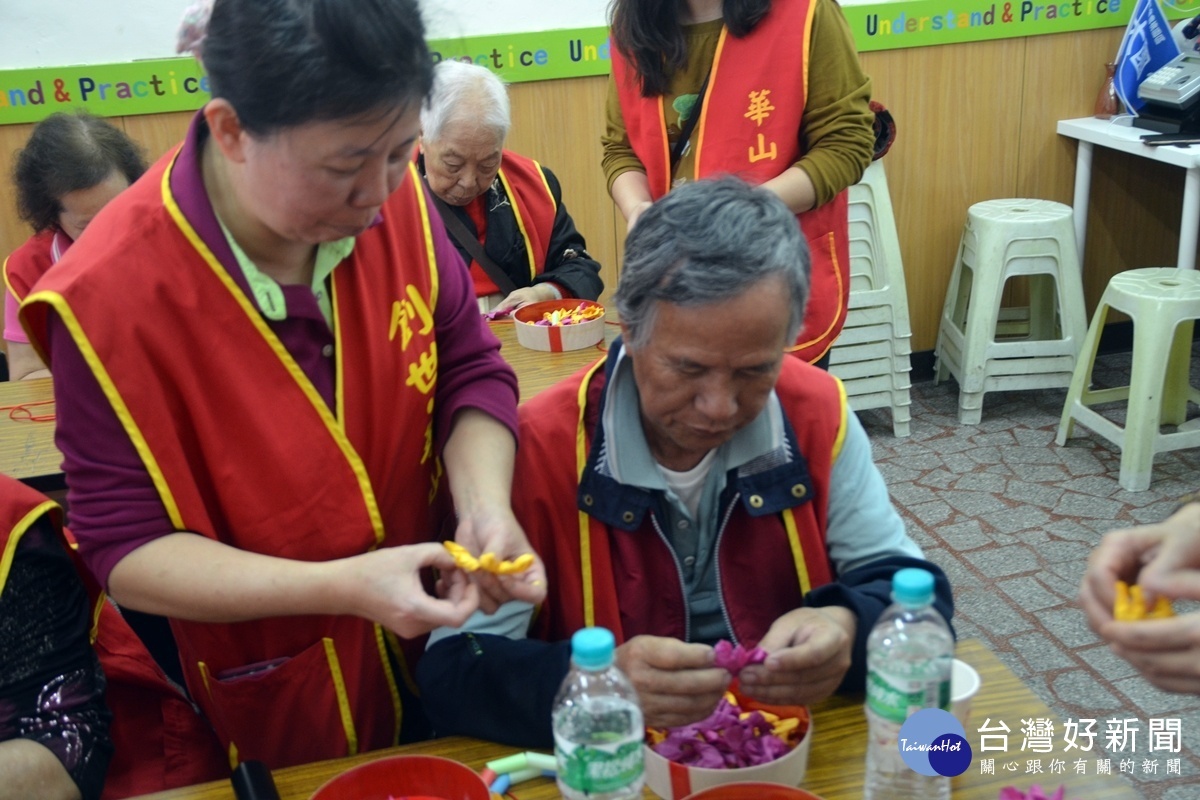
{"x":406,"y":778}
{"x":751,"y":791}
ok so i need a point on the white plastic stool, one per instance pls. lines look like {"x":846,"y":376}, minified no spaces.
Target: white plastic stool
{"x":871,"y":355}
{"x":1163,"y":304}
{"x":989,"y":349}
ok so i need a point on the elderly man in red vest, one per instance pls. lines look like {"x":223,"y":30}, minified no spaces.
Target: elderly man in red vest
{"x":503,"y":211}
{"x":693,"y":486}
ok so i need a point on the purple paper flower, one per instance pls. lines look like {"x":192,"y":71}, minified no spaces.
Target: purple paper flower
{"x":734,"y":657}
{"x":1035,"y":793}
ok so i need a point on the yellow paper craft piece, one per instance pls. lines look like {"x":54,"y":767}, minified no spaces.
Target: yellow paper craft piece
{"x":487,"y":561}
{"x":1130,"y":605}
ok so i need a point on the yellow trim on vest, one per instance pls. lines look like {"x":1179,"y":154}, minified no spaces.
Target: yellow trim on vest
{"x":14,"y":538}
{"x":806,"y":53}
{"x":712,"y":81}
{"x":666,"y":146}
{"x":339,"y":375}
{"x":841,"y":434}
{"x":7,"y":282}
{"x":837,"y":273}
{"x":793,"y":533}
{"x":418,"y":184}
{"x":97,"y":609}
{"x":405,"y":672}
{"x":232,"y":754}
{"x":585,"y":528}
{"x":529,"y":254}
{"x":343,"y":698}
{"x":289,"y":363}
{"x":393,"y":690}
{"x":59,"y":304}
{"x":789,"y":518}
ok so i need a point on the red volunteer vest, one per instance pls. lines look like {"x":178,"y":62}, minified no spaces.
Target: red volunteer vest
{"x":29,"y":262}
{"x":623,"y":580}
{"x":534,"y":208}
{"x":159,"y":742}
{"x":749,"y":127}
{"x":242,"y":448}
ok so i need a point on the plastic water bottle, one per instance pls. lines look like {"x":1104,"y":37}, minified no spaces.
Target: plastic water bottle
{"x":909,"y":656}
{"x":598,"y":728}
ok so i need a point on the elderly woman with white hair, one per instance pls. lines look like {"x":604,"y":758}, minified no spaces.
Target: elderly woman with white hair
{"x":503,"y":211}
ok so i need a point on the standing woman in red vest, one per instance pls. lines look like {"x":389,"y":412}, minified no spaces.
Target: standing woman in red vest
{"x":271,"y":377}
{"x":770,"y":91}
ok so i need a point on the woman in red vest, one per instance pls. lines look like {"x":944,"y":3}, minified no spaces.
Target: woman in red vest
{"x":768,"y":90}
{"x":72,"y":165}
{"x":497,"y":205}
{"x":69,"y":659}
{"x":271,"y":377}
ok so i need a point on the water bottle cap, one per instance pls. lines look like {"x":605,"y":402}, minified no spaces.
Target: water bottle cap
{"x":912,"y":586}
{"x":592,"y":648}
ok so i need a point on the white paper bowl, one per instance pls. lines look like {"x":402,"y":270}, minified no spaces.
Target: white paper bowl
{"x":673,"y":781}
{"x":557,"y":338}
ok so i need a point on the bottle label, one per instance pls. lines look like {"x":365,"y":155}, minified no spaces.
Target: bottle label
{"x":595,"y":769}
{"x":895,"y":697}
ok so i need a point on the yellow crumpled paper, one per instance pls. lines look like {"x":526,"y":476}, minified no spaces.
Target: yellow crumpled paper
{"x":488,"y":562}
{"x":1130,"y":605}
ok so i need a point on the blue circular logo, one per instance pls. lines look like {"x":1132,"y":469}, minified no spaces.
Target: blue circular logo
{"x":933,"y":742}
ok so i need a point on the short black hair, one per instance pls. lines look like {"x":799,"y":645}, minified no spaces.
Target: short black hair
{"x":67,"y":153}
{"x":282,"y":63}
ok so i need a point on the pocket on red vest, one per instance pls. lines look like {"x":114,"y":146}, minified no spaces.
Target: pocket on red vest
{"x":285,"y":711}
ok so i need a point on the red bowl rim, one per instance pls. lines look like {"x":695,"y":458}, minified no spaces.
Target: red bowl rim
{"x":409,"y":757}
{"x":755,"y":789}
{"x":528,"y":315}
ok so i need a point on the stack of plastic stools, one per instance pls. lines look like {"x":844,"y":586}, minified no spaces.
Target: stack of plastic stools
{"x":990,"y":349}
{"x":871,"y":355}
{"x":1163,"y":304}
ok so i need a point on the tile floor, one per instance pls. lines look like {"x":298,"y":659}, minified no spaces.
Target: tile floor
{"x":1011,"y":517}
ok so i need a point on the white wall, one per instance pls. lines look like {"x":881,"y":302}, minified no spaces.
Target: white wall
{"x":53,"y":33}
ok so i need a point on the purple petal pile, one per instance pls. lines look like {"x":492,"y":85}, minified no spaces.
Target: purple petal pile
{"x":729,"y":738}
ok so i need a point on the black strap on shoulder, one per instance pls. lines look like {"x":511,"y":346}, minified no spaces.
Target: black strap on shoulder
{"x":689,"y":125}
{"x":462,"y":235}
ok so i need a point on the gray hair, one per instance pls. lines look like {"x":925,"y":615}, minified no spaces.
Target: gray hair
{"x":706,"y":242}
{"x":465,"y":92}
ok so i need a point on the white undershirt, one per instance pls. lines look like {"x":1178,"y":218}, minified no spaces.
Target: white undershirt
{"x":689,"y":486}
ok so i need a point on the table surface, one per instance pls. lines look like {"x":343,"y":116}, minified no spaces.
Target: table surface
{"x":27,"y":450}
{"x":835,"y":765}
{"x":1119,"y":134}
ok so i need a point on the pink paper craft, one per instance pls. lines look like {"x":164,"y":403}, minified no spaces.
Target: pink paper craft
{"x":723,"y":741}
{"x":1035,"y":793}
{"x":734,"y":657}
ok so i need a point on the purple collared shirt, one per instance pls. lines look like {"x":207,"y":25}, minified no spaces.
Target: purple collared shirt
{"x":113,"y":505}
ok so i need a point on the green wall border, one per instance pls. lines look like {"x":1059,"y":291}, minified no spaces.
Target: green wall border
{"x":178,"y":84}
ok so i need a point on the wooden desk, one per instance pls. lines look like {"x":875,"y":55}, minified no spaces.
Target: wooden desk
{"x":537,"y":370}
{"x":835,"y":765}
{"x":1119,"y":134}
{"x":27,"y":450}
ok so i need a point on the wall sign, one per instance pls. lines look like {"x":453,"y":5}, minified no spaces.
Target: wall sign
{"x":178,"y":84}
